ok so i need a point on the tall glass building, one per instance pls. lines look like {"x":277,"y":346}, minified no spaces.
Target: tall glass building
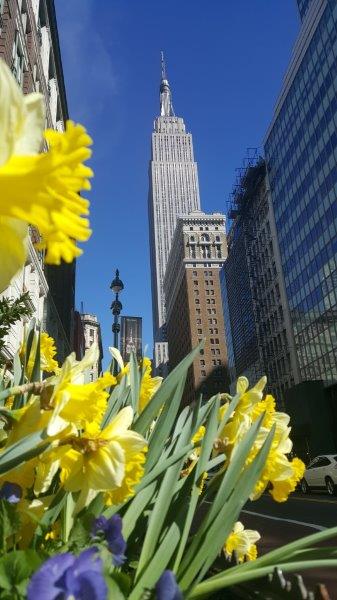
{"x":301,"y":155}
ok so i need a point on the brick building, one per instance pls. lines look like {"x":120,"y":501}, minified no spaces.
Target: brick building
{"x":29,"y":45}
{"x":193,"y":301}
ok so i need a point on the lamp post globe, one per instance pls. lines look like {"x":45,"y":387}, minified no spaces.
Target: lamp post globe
{"x":117,"y":284}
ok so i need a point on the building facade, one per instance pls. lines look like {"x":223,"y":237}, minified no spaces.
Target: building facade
{"x":301,"y":156}
{"x":92,"y":335}
{"x":258,"y":328}
{"x":193,"y":302}
{"x":173,"y":191}
{"x":29,"y":44}
{"x":131,"y":337}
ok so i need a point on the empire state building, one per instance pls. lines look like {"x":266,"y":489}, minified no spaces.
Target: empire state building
{"x":173,"y":191}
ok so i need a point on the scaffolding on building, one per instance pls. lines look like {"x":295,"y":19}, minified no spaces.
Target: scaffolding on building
{"x":247,"y":215}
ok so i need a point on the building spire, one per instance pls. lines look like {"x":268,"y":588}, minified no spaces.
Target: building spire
{"x":163,"y":66}
{"x":166,"y":106}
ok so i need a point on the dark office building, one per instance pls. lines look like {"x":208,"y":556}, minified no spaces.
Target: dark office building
{"x":301,"y":155}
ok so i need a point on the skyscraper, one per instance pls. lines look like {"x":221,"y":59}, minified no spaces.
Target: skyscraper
{"x":193,"y":302}
{"x":301,"y":156}
{"x":173,"y":191}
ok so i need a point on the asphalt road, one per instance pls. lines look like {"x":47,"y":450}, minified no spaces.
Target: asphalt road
{"x":301,"y":515}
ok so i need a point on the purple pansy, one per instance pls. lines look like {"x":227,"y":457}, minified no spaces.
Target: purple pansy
{"x":167,"y":587}
{"x":112,"y":530}
{"x":68,"y":576}
{"x":11,"y":492}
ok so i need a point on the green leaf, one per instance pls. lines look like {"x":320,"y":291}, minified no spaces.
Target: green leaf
{"x":24,"y":449}
{"x":67,"y":516}
{"x":36,"y":371}
{"x":163,"y":426}
{"x":162,"y":504}
{"x":158,"y":563}
{"x":226,"y":508}
{"x":230,"y":577}
{"x":164,"y":392}
{"x":205,"y":453}
{"x":16,"y":567}
{"x":164,"y":464}
{"x":136,"y":508}
{"x":51,"y":514}
{"x":134,"y":381}
{"x":9,"y":522}
{"x":118,"y":398}
{"x":281,"y":554}
{"x":114,"y":590}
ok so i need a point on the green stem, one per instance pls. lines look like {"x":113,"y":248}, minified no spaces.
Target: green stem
{"x":35,"y":387}
{"x":209,"y":586}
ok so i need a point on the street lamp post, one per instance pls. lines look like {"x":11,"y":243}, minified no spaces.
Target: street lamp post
{"x":117,"y":286}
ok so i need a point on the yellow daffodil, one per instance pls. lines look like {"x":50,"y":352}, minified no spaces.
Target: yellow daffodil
{"x":47,"y":353}
{"x":149,"y":385}
{"x":109,"y":461}
{"x":39,"y":189}
{"x":243,"y":542}
{"x":65,"y":401}
{"x":278,"y":470}
{"x":284,"y":474}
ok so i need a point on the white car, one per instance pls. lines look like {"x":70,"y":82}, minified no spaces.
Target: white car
{"x":321,"y":473}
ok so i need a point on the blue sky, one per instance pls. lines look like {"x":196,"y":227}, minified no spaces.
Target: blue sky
{"x":225,"y":63}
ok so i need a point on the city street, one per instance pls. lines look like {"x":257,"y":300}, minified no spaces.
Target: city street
{"x":282,"y":523}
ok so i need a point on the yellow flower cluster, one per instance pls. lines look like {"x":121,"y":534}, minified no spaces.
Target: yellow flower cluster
{"x":148,"y":384}
{"x":243,"y":542}
{"x":87,"y":458}
{"x":40,"y":189}
{"x":282,"y":473}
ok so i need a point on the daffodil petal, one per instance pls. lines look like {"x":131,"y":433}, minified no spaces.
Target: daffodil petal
{"x":119,"y":424}
{"x":107,"y":470}
{"x":29,"y":140}
{"x":13,"y":249}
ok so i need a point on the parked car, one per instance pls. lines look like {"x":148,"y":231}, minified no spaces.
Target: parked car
{"x":321,"y":473}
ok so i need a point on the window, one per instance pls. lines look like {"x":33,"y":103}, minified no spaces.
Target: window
{"x":196,"y":292}
{"x":218,"y":362}
{"x":196,"y":282}
{"x":202,"y":351}
{"x":197,"y":301}
{"x":202,"y":362}
{"x":216,"y":329}
{"x":211,"y":330}
{"x":213,"y":351}
{"x":203,"y":373}
{"x":198,"y":311}
{"x":212,"y":340}
{"x":198,"y":321}
{"x":200,"y":331}
{"x":17,"y":59}
{"x":195,"y":273}
{"x":216,"y":340}
{"x":214,"y":361}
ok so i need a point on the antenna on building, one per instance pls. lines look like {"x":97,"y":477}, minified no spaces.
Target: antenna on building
{"x":163,"y":66}
{"x":82,"y":307}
